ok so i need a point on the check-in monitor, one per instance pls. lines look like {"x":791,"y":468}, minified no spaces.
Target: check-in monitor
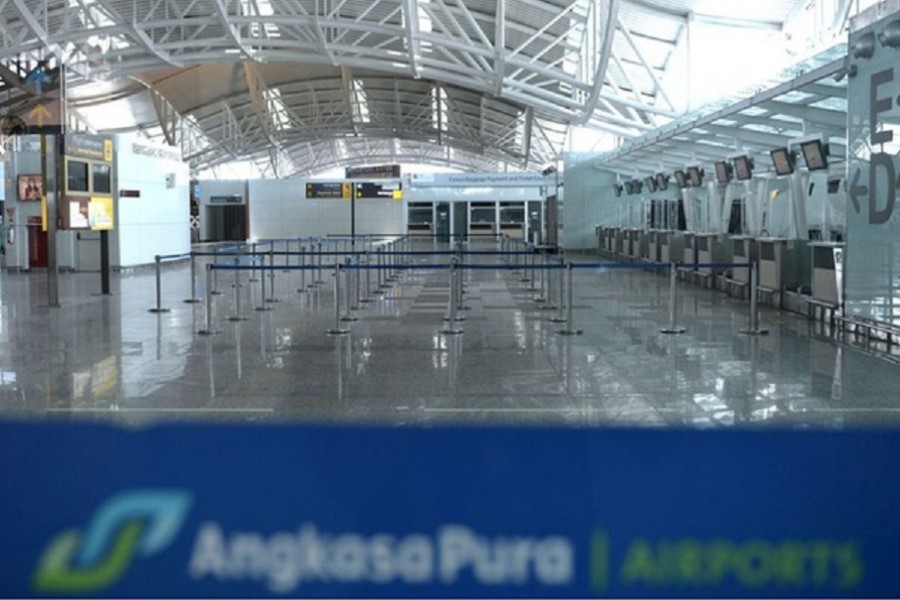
{"x":680,"y":179}
{"x":724,"y":172}
{"x":662,"y":182}
{"x":815,"y":153}
{"x":783,"y":161}
{"x":695,"y":176}
{"x":743,"y":168}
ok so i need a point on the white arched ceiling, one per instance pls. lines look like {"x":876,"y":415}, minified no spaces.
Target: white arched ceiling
{"x":298,"y":84}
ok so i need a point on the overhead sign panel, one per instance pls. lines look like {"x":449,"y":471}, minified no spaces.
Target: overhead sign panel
{"x":329,"y":189}
{"x":46,"y":116}
{"x":476,"y":180}
{"x":393,"y":190}
{"x":374,"y":172}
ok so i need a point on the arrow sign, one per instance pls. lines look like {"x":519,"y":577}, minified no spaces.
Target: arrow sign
{"x":40,"y":114}
{"x":45,"y":117}
{"x":857,"y":190}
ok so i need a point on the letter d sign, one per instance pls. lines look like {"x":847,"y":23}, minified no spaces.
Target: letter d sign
{"x":879,"y":216}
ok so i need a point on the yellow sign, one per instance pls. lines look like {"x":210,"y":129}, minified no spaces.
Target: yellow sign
{"x":398,"y":194}
{"x":43,"y":213}
{"x":40,"y":114}
{"x":107,"y":150}
{"x":100,"y":213}
{"x":347,"y":191}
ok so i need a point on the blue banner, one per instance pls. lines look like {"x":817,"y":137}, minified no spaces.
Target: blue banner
{"x":200,"y":511}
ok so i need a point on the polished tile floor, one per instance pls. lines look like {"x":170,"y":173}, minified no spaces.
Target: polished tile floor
{"x":107,"y":357}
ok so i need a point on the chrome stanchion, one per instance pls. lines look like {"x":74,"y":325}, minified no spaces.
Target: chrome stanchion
{"x":336,"y":329}
{"x":253,"y":272}
{"x":301,"y":263}
{"x":209,"y":280}
{"x":237,"y":294}
{"x":357,"y":299}
{"x":159,"y":308}
{"x":348,"y":273}
{"x":754,"y":328}
{"x":193,"y":299}
{"x":549,"y":304}
{"x":530,"y":258}
{"x":561,"y":297}
{"x":215,"y":287}
{"x":460,"y":292}
{"x":262,"y":287}
{"x":366,"y":299}
{"x":379,"y":284}
{"x":570,"y":329}
{"x":319,"y":264}
{"x":452,"y":318}
{"x":673,"y":300}
{"x":272,"y":298}
{"x":542,"y":296}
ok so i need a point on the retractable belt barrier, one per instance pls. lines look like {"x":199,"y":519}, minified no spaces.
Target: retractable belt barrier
{"x":456,"y":267}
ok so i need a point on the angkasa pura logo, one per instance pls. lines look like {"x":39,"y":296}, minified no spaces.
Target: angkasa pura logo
{"x":134,"y":524}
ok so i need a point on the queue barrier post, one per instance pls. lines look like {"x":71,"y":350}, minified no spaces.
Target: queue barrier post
{"x":262,"y":287}
{"x":301,"y":262}
{"x":253,"y":271}
{"x":348,"y":284}
{"x":209,"y":294}
{"x":561,"y":296}
{"x":158,"y":308}
{"x":366,"y":299}
{"x":570,"y":328}
{"x":336,"y":328}
{"x":272,"y":299}
{"x":542,"y":294}
{"x":452,"y":318}
{"x":215,"y":274}
{"x":319,"y":280}
{"x":193,"y":299}
{"x":237,"y":316}
{"x":673,"y":327}
{"x":754,"y":328}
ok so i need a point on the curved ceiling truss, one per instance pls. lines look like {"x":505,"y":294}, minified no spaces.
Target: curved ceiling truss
{"x":500,"y":80}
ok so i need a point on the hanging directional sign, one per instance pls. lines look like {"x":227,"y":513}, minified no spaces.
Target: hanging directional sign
{"x":393,"y":189}
{"x":47,"y":116}
{"x":328,"y":189}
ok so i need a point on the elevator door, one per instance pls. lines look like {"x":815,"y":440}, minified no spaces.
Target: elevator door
{"x":460,"y":221}
{"x":227,"y":223}
{"x":442,"y":226}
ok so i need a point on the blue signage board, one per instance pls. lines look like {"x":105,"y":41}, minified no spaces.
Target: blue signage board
{"x":239,"y":511}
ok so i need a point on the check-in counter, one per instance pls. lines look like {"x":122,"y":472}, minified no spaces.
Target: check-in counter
{"x":644,"y":245}
{"x":653,"y":238}
{"x":638,"y":243}
{"x":827,"y":260}
{"x":671,"y":246}
{"x":689,"y":249}
{"x":618,"y":235}
{"x":609,"y":242}
{"x":605,"y":240}
{"x":783,"y":266}
{"x":709,"y":249}
{"x":632,"y":246}
{"x":744,"y":249}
